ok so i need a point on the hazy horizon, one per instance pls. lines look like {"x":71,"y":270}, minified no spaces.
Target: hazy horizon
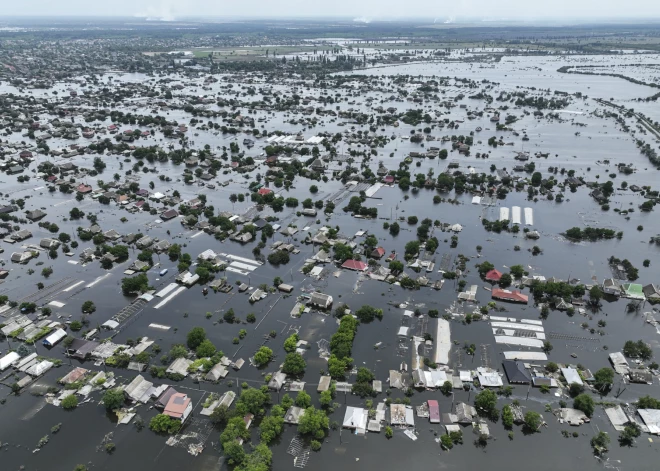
{"x":364,"y":10}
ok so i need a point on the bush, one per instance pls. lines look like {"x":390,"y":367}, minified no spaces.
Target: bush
{"x":70,"y":402}
{"x":294,"y":364}
{"x":263,"y":356}
{"x":113,"y":399}
{"x":164,"y":424}
{"x":532,"y":420}
{"x":584,"y":403}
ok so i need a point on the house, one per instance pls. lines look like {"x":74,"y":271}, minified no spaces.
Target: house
{"x":355,"y":265}
{"x":161,"y":246}
{"x":186,"y":278}
{"x":356,"y":418}
{"x":652,"y":292}
{"x":49,"y":244}
{"x":516,"y":372}
{"x":244,"y":238}
{"x":264,"y":191}
{"x":389,"y":179}
{"x":138,"y":388}
{"x":309,"y":212}
{"x":611,"y":286}
{"x":293,"y":415}
{"x":494,"y":275}
{"x":377,"y":253}
{"x":178,"y":407}
{"x":169,"y":214}
{"x":637,"y":375}
{"x":317,"y":165}
{"x":144,"y":242}
{"x":111,"y":235}
{"x":21,"y":257}
{"x":84,"y":189}
{"x":464,"y":413}
{"x":632,"y":291}
{"x":139,"y":265}
{"x":35,"y":215}
{"x":14,"y":169}
{"x":164,"y":398}
{"x":8,"y":209}
{"x":321,"y":300}
{"x":513,"y":296}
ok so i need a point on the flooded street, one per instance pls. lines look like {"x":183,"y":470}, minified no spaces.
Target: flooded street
{"x":586,"y":138}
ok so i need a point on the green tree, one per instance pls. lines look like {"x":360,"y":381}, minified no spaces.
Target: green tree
{"x":325,"y":399}
{"x":195,"y":337}
{"x":252,"y":400}
{"x":205,"y":349}
{"x":303,"y":400}
{"x":446,"y":388}
{"x":532,"y":420}
{"x":135,"y":285}
{"x":585,"y":403}
{"x":70,"y":402}
{"x":294,"y":364}
{"x":220,"y":415}
{"x":313,"y":422}
{"x":234,"y":430}
{"x":507,"y":417}
{"x":603,"y":380}
{"x":599,"y":443}
{"x":259,"y":460}
{"x":263,"y":356}
{"x":234,"y":452}
{"x":505,"y":280}
{"x":270,"y":428}
{"x":88,"y":307}
{"x":630,"y":432}
{"x":486,"y":404}
{"x":367,"y":314}
{"x":113,"y":399}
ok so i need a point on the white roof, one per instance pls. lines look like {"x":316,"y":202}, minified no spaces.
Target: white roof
{"x":488,"y":377}
{"x":356,"y":417}
{"x":403,"y":331}
{"x":8,"y":359}
{"x":55,"y":337}
{"x":571,"y":375}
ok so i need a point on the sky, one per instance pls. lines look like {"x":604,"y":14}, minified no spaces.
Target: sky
{"x":366,"y":10}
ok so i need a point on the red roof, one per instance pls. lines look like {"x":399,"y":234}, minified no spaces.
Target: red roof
{"x":434,"y":411}
{"x":378,"y":252}
{"x":494,"y":275}
{"x":264,"y":191}
{"x":389,"y":179}
{"x":82,"y":188}
{"x":506,"y":295}
{"x":177,"y":405}
{"x":355,"y":265}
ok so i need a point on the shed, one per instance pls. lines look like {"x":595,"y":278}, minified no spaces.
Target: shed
{"x":572,"y":376}
{"x":293,"y":415}
{"x":324,"y":383}
{"x":321,"y":300}
{"x":434,"y":411}
{"x":8,"y":360}
{"x":54,"y":338}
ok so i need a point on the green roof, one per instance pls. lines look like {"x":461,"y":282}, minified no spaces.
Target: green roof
{"x":633,"y":289}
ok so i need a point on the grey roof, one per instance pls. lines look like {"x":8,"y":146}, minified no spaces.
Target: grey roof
{"x":516,"y":372}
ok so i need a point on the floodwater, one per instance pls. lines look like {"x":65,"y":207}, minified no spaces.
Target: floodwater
{"x":26,"y":418}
